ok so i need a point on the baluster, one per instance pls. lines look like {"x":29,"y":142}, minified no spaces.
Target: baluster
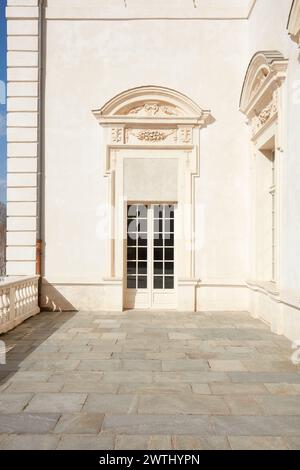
{"x":18,"y":296}
{"x":35,"y":290}
{"x":29,"y":289}
{"x":33,"y":295}
{"x":9,"y":304}
{"x":12,"y":302}
{"x":30,"y":297}
{"x":25,"y":298}
{"x":26,"y":293}
{"x":6,"y":305}
{"x":17,"y":301}
{"x":23,"y":301}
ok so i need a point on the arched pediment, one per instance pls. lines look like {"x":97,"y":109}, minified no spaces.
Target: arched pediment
{"x":152,"y":103}
{"x":265,"y":72}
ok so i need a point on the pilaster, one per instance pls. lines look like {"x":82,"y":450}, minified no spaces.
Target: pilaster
{"x":23,"y":108}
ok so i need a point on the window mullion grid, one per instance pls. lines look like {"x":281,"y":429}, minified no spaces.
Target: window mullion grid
{"x":164,"y":244}
{"x":136,"y":256}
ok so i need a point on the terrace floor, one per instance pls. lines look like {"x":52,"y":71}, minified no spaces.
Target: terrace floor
{"x":148,"y":380}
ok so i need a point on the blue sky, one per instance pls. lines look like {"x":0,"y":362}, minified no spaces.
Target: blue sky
{"x":2,"y":105}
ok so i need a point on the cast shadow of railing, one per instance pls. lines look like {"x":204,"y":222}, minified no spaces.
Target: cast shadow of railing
{"x":29,"y":336}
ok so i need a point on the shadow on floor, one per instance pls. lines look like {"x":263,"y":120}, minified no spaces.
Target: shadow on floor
{"x":27,"y":337}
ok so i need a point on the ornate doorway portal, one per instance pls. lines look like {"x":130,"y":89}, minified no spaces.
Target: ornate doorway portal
{"x":151,"y":159}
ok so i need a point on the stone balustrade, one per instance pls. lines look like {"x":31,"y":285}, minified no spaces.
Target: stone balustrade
{"x":18,"y":301}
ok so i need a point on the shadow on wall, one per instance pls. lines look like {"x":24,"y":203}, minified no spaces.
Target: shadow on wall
{"x":51,"y":300}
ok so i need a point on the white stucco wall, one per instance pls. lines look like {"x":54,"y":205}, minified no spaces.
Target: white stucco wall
{"x":88,"y":62}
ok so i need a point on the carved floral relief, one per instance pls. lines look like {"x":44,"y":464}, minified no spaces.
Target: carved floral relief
{"x":264,"y":115}
{"x":185,"y":135}
{"x":150,"y":136}
{"x":130,"y":135}
{"x":154,"y":109}
{"x":117,"y":135}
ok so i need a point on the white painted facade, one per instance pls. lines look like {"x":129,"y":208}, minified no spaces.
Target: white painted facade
{"x":113,"y":103}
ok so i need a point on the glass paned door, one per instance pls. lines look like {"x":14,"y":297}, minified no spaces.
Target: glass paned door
{"x":163,"y":256}
{"x":137,"y":247}
{"x":150,"y":260}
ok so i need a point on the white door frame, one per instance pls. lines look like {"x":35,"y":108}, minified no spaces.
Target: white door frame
{"x":151,"y":298}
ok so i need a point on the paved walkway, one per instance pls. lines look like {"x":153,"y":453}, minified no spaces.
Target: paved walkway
{"x":144,"y":380}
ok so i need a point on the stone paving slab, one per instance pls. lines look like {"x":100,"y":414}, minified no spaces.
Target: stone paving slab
{"x":79,"y":423}
{"x":152,"y":424}
{"x":238,"y":389}
{"x":256,"y":425}
{"x":30,"y":376}
{"x":154,"y":388}
{"x":264,"y":377}
{"x":89,"y":387}
{"x":86,"y":442}
{"x":201,"y":389}
{"x":57,"y":402}
{"x":185,"y":365}
{"x":182,"y":404}
{"x":148,"y":380}
{"x":283,"y":389}
{"x":101,"y":365}
{"x":29,"y":442}
{"x":76,"y":376}
{"x":200,"y":443}
{"x":253,"y":365}
{"x":226,"y":365}
{"x":33,"y":387}
{"x":128,"y":377}
{"x":138,"y":442}
{"x":293,"y":443}
{"x":243,"y":405}
{"x":257,"y":443}
{"x":28,"y":423}
{"x":279,"y":405}
{"x":149,"y":364}
{"x":110,"y":403}
{"x":13,"y":403}
{"x":63,"y":364}
{"x":190,"y":377}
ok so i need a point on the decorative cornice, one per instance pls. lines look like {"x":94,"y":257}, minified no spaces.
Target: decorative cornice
{"x":152,"y":105}
{"x":293,"y":26}
{"x":265,"y":73}
{"x":260,"y":99}
{"x":144,"y":9}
